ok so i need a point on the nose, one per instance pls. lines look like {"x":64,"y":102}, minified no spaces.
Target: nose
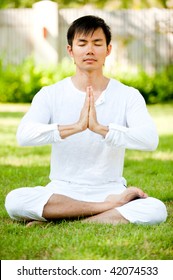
{"x":90,"y":49}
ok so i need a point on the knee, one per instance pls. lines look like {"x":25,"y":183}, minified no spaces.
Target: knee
{"x":14,"y":204}
{"x":148,"y":211}
{"x":157,"y":213}
{"x":160,"y":211}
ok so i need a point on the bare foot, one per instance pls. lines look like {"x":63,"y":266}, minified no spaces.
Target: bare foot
{"x":33,"y":223}
{"x":128,"y":195}
{"x":109,"y":217}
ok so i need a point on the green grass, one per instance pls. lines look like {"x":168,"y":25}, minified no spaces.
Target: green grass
{"x":29,"y":166}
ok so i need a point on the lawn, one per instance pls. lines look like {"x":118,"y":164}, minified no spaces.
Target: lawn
{"x":69,"y":240}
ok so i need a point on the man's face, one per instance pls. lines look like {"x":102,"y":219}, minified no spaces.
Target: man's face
{"x":89,"y":51}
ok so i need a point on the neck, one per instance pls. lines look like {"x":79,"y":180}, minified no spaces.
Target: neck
{"x":82,"y":80}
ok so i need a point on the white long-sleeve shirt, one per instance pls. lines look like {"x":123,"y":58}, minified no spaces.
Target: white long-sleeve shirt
{"x":87,"y":157}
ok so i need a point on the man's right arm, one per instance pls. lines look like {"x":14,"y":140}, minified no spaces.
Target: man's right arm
{"x":35,"y":129}
{"x":81,"y":125}
{"x":68,"y":130}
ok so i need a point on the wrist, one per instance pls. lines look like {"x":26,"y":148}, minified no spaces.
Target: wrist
{"x":68,"y":130}
{"x":79,"y":127}
{"x":101,"y":129}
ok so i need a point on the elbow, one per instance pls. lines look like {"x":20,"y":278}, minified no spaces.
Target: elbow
{"x":152,"y":139}
{"x":152,"y":145}
{"x":21,"y":140}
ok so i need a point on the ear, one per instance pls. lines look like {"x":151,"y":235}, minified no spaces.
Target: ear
{"x":109,"y":48}
{"x":69,"y":50}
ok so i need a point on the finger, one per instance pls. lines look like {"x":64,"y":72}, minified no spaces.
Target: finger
{"x":92,"y":102}
{"x":87,"y":99}
{"x":90,"y":91}
{"x":91,"y":96}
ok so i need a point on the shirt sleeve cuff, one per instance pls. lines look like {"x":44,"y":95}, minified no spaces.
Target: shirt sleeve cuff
{"x":118,"y":127}
{"x":57,"y":136}
{"x":115,"y":135}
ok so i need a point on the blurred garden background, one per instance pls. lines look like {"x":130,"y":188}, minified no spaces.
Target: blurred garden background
{"x":32,"y":55}
{"x":33,"y":45}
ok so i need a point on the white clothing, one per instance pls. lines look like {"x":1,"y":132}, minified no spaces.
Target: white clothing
{"x":86,"y":166}
{"x":88,"y":158}
{"x":27,"y":203}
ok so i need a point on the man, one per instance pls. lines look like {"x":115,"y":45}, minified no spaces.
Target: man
{"x":90,"y":120}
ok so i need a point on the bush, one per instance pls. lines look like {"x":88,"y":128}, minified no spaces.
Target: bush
{"x":20,"y":83}
{"x":155,"y":88}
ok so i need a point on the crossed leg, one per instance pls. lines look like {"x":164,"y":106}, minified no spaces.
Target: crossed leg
{"x":35,"y":205}
{"x":63,"y":207}
{"x":113,"y":216}
{"x":109,"y":217}
{"x":60,"y":206}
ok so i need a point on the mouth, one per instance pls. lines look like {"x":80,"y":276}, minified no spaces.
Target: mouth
{"x":90,"y":60}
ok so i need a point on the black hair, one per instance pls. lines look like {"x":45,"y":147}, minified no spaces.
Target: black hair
{"x":87,"y":24}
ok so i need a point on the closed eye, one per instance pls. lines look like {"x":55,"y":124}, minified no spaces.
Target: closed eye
{"x":98,"y":42}
{"x":98,"y":45}
{"x":82,"y":42}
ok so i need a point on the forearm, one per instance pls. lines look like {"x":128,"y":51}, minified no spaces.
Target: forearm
{"x":100,"y":129}
{"x":68,"y":130}
{"x":138,"y":138}
{"x":37,"y":134}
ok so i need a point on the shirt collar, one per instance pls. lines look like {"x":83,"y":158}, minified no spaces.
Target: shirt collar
{"x":101,"y":99}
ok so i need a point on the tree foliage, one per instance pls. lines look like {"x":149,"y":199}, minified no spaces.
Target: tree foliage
{"x":26,"y":79}
{"x":111,"y":4}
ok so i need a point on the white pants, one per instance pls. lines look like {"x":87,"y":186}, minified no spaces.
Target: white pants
{"x":28,"y":203}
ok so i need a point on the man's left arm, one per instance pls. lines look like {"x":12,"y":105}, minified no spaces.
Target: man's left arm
{"x":140,"y":132}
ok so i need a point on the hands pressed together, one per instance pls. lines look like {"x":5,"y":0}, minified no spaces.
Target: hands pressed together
{"x":87,"y":119}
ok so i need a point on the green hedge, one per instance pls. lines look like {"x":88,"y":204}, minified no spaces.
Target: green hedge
{"x":20,"y":83}
{"x":155,"y":88}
